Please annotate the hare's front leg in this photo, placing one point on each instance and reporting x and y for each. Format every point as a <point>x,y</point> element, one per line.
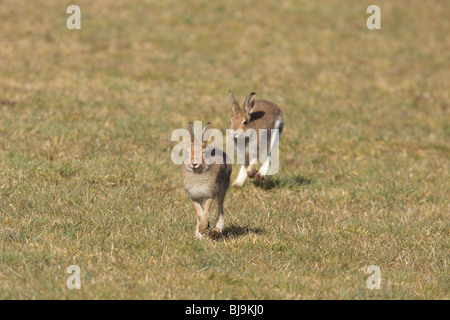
<point>242,176</point>
<point>264,170</point>
<point>203,223</point>
<point>199,211</point>
<point>262,173</point>
<point>251,171</point>
<point>216,232</point>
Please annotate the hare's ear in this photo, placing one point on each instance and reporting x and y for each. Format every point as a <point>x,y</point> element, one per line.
<point>206,133</point>
<point>190,128</point>
<point>234,103</point>
<point>249,103</point>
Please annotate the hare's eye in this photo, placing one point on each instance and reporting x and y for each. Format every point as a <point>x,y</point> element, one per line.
<point>244,122</point>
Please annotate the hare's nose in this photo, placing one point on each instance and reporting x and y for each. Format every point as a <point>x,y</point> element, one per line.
<point>194,165</point>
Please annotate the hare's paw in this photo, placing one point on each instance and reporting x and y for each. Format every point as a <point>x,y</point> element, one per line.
<point>242,176</point>
<point>198,234</point>
<point>237,184</point>
<point>251,173</point>
<point>260,177</point>
<point>201,229</point>
<point>215,234</point>
<point>203,226</point>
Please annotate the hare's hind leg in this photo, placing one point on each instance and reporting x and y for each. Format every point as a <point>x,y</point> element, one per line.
<point>274,138</point>
<point>216,232</point>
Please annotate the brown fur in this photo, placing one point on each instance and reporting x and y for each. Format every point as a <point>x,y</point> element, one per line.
<point>205,182</point>
<point>255,114</point>
<point>262,116</point>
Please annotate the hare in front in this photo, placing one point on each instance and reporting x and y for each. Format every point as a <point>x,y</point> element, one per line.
<point>205,175</point>
<point>256,115</point>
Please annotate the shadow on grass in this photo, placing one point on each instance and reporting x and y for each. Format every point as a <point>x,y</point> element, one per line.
<point>283,182</point>
<point>238,231</point>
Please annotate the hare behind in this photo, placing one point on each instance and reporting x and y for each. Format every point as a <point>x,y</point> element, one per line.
<point>205,175</point>
<point>256,115</point>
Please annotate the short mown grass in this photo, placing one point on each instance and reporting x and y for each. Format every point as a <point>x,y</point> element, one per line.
<point>86,178</point>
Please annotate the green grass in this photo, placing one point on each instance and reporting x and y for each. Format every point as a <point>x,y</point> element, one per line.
<point>85,171</point>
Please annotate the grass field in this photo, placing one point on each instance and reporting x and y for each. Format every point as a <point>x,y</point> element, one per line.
<point>85,172</point>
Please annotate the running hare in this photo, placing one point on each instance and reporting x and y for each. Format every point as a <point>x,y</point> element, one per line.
<point>256,115</point>
<point>205,175</point>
